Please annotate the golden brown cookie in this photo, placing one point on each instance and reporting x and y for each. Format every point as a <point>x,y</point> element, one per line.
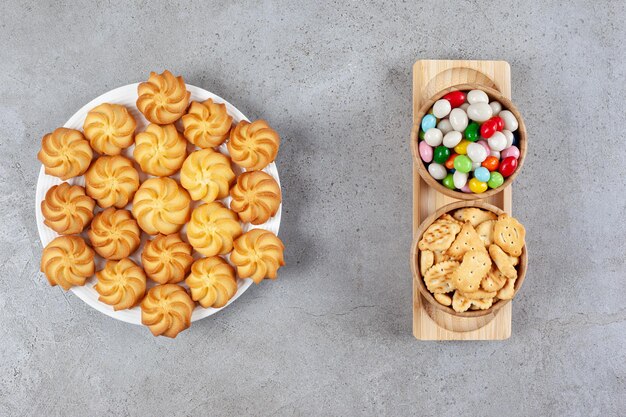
<point>439,235</point>
<point>502,261</point>
<point>212,282</point>
<point>443,299</point>
<point>67,261</point>
<point>67,209</point>
<point>163,99</point>
<point>427,259</point>
<point>166,310</point>
<point>468,276</point>
<point>466,240</point>
<point>258,254</point>
<point>473,215</point>
<point>109,128</point>
<point>213,228</point>
<point>112,181</point>
<point>256,197</point>
<point>114,234</point>
<point>167,258</point>
<point>161,205</point>
<point>253,145</point>
<point>207,175</point>
<point>207,123</point>
<point>485,232</point>
<point>508,291</point>
<point>460,303</point>
<point>121,284</point>
<point>478,294</point>
<point>160,150</point>
<point>65,153</point>
<point>509,234</point>
<point>494,280</point>
<point>438,278</point>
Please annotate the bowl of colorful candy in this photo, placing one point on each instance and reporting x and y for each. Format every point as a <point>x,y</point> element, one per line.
<point>469,142</point>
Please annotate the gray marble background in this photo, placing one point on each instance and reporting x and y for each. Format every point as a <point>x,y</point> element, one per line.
<point>332,336</point>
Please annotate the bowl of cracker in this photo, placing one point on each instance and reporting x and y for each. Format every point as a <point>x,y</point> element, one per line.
<point>469,258</point>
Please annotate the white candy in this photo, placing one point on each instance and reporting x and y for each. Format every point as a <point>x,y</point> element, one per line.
<point>510,122</point>
<point>451,139</point>
<point>477,96</point>
<point>479,112</point>
<point>476,152</point>
<point>497,141</point>
<point>460,179</point>
<point>458,119</point>
<point>464,106</point>
<point>437,171</point>
<point>496,107</point>
<point>509,137</point>
<point>433,137</point>
<point>445,126</point>
<point>495,153</point>
<point>441,108</point>
<point>475,165</point>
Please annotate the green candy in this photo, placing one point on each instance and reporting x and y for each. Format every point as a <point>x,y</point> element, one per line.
<point>471,132</point>
<point>495,179</point>
<point>448,181</point>
<point>421,134</point>
<point>462,163</point>
<point>442,154</point>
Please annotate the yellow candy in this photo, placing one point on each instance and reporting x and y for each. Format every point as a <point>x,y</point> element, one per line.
<point>461,148</point>
<point>477,186</point>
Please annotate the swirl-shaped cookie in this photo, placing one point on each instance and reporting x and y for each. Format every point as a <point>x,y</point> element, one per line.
<point>160,150</point>
<point>164,98</point>
<point>67,261</point>
<point>167,259</point>
<point>212,282</point>
<point>258,254</point>
<point>256,197</point>
<point>114,234</point>
<point>67,209</point>
<point>166,310</point>
<point>213,228</point>
<point>207,123</point>
<point>253,145</point>
<point>207,175</point>
<point>112,181</point>
<point>65,153</point>
<point>161,206</point>
<point>121,284</point>
<point>109,128</point>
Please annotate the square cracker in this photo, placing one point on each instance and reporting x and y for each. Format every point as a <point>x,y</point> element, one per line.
<point>439,235</point>
<point>466,240</point>
<point>473,215</point>
<point>438,278</point>
<point>494,280</point>
<point>473,269</point>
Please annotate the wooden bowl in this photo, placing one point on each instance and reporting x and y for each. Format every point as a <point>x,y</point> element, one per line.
<point>521,267</point>
<point>421,167</point>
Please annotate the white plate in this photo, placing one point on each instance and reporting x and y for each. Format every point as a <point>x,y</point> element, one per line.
<point>127,96</point>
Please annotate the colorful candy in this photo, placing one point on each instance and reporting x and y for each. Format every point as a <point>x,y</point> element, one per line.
<point>456,98</point>
<point>462,163</point>
<point>441,108</point>
<point>441,154</point>
<point>508,166</point>
<point>469,143</point>
<point>477,186</point>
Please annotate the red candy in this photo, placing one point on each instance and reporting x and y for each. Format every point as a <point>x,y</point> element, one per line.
<point>450,162</point>
<point>491,163</point>
<point>499,123</point>
<point>508,166</point>
<point>456,98</point>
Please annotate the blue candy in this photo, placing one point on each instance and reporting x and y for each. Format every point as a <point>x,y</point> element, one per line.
<point>428,122</point>
<point>482,174</point>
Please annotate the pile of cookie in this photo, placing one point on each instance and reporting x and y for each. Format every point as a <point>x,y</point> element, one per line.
<point>468,259</point>
<point>108,216</point>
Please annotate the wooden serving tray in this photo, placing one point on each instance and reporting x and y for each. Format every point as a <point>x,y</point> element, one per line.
<point>430,77</point>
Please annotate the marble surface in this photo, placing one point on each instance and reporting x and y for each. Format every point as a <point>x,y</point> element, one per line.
<point>332,336</point>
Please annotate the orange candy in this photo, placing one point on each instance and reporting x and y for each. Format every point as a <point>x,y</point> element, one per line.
<point>491,163</point>
<point>450,162</point>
